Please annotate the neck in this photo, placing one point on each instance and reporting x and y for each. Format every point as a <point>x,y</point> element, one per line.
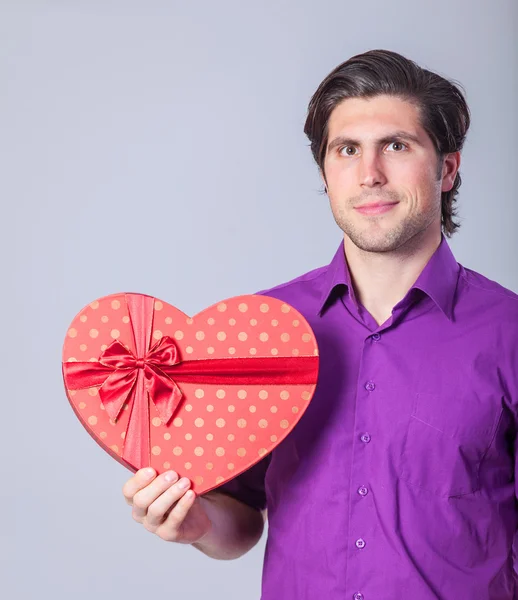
<point>382,279</point>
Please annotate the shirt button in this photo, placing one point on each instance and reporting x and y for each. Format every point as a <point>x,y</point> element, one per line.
<point>358,596</point>
<point>376,337</point>
<point>369,386</point>
<point>360,543</point>
<point>365,438</point>
<point>363,491</point>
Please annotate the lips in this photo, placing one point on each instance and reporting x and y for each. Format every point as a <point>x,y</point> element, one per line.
<point>376,204</point>
<point>376,208</point>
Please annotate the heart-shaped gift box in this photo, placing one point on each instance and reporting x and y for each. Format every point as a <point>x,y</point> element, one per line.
<point>207,396</point>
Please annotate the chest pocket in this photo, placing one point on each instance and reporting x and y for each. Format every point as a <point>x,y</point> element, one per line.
<point>446,442</point>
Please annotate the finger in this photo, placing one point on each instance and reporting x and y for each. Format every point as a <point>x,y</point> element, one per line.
<point>162,506</point>
<point>141,478</point>
<point>148,494</point>
<point>169,528</point>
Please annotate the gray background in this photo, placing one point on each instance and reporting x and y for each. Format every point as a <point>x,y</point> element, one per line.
<point>157,147</point>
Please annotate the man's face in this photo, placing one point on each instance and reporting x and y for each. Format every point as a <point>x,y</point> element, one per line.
<point>378,152</point>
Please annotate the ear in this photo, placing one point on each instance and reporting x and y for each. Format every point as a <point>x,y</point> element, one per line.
<point>450,167</point>
<point>323,177</point>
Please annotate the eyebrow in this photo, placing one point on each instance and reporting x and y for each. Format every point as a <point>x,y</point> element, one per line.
<point>397,135</point>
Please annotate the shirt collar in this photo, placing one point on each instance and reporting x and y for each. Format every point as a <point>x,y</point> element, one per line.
<point>438,279</point>
<point>337,274</point>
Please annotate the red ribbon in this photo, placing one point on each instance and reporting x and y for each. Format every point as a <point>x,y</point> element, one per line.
<point>126,378</point>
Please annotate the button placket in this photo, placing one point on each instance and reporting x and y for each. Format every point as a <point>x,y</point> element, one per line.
<point>363,507</point>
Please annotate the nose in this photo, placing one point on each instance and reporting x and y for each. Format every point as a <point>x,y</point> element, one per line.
<point>371,170</point>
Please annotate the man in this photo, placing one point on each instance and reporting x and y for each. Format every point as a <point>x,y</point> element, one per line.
<point>398,482</point>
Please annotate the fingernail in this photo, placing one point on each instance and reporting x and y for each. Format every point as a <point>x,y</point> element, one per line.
<point>184,483</point>
<point>149,472</point>
<point>170,476</point>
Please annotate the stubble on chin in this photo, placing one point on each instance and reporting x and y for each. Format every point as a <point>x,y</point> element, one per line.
<point>370,238</point>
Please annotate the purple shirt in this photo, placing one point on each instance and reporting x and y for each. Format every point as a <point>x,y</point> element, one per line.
<point>399,479</point>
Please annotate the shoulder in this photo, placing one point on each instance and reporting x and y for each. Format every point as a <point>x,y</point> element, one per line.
<point>309,279</point>
<point>488,289</point>
<point>494,301</point>
<point>302,292</point>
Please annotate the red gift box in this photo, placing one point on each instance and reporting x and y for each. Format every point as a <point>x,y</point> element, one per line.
<point>207,396</point>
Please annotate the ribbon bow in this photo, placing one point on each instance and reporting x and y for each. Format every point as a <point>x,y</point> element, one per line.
<point>163,391</point>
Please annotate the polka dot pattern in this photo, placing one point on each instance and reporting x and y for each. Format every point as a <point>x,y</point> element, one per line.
<point>219,430</point>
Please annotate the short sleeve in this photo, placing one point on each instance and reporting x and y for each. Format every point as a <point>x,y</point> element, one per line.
<point>249,487</point>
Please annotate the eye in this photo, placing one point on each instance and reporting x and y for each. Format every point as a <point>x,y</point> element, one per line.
<point>347,148</point>
<point>397,144</point>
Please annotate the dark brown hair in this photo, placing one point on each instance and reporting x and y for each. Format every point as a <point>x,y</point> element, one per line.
<point>445,115</point>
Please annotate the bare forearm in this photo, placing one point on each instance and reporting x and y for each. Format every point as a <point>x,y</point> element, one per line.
<point>236,527</point>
